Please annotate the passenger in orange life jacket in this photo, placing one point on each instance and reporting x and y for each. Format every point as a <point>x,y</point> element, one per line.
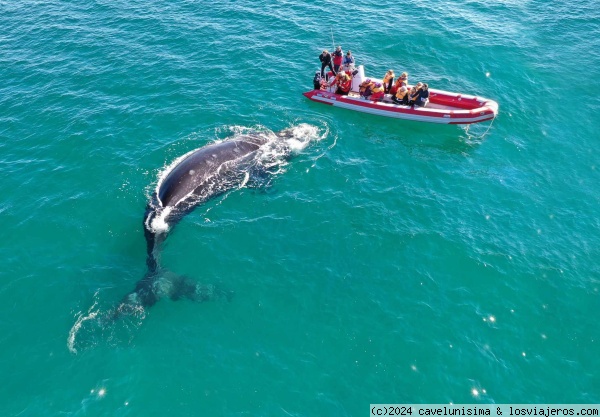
<point>388,80</point>
<point>365,88</point>
<point>402,80</point>
<point>377,92</point>
<point>413,95</point>
<point>401,96</point>
<point>343,82</point>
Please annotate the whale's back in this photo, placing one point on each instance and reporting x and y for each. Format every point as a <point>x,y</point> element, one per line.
<point>202,166</point>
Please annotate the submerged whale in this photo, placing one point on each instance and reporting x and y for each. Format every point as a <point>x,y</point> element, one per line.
<point>193,179</point>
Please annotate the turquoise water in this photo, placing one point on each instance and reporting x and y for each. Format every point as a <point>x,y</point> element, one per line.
<point>391,261</point>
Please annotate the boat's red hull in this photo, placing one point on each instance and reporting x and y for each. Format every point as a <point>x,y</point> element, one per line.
<point>444,107</point>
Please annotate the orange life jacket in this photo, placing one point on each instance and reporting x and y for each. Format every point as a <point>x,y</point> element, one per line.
<point>345,83</point>
<point>401,93</point>
<point>365,88</point>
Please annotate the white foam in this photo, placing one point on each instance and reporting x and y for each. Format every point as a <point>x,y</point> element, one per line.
<point>91,314</point>
<point>246,178</point>
<point>159,222</point>
<point>290,141</point>
<point>302,135</point>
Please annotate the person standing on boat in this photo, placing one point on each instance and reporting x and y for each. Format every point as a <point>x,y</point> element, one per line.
<point>423,97</point>
<point>388,80</point>
<point>338,57</point>
<point>325,59</point>
<point>348,62</point>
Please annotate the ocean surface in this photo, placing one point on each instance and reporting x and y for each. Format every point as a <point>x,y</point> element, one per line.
<point>387,262</point>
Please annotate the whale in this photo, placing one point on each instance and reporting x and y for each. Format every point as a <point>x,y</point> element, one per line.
<point>193,179</point>
<point>250,158</point>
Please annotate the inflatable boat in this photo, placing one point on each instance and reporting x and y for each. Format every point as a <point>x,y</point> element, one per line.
<point>443,107</point>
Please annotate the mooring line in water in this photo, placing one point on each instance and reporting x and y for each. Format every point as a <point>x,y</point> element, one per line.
<point>484,133</point>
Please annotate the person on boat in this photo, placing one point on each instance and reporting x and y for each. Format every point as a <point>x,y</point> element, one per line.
<point>365,89</point>
<point>413,94</point>
<point>402,80</point>
<point>348,62</point>
<point>338,57</point>
<point>388,81</point>
<point>423,97</point>
<point>395,87</point>
<point>325,59</point>
<point>401,96</point>
<point>377,92</point>
<point>343,82</point>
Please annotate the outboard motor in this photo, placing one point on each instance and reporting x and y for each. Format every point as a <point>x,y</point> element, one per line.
<point>317,81</point>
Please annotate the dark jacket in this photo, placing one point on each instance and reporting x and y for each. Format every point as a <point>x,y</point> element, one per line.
<point>423,96</point>
<point>325,58</point>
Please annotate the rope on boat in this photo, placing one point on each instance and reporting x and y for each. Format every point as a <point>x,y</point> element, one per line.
<point>486,131</point>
